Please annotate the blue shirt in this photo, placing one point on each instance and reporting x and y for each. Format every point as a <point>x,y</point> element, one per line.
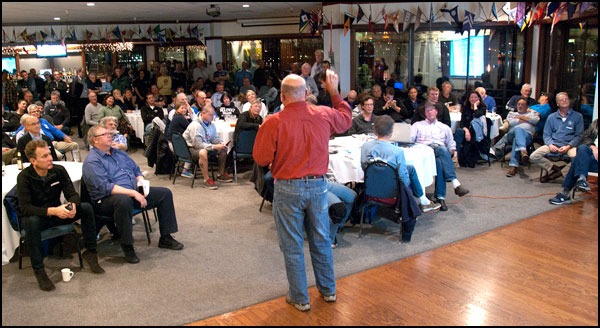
<point>101,172</point>
<point>544,111</point>
<point>375,150</point>
<point>48,130</point>
<point>561,133</point>
<point>239,77</point>
<point>490,102</point>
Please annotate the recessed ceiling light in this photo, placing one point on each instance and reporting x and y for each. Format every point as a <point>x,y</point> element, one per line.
<point>56,18</point>
<point>91,4</point>
<point>246,6</point>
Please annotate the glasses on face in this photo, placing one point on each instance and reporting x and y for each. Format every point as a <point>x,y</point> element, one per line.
<point>36,111</point>
<point>106,134</point>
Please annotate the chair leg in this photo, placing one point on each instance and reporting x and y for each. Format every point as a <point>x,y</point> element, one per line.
<point>176,172</point>
<point>263,201</point>
<point>194,175</point>
<point>362,216</point>
<point>155,216</point>
<point>21,244</point>
<point>146,224</point>
<point>78,250</point>
<point>235,169</point>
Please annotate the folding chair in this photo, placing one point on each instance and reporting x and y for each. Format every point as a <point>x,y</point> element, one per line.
<point>243,148</point>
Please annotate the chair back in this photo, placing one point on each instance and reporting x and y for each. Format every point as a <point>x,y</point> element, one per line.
<point>11,204</point>
<point>245,142</point>
<point>180,147</point>
<point>382,180</point>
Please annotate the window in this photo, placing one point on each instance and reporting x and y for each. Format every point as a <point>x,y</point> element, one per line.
<point>171,54</point>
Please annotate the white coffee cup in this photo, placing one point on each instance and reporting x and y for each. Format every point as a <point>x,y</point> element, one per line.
<point>67,274</point>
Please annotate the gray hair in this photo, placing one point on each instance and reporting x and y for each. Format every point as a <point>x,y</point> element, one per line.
<point>31,108</point>
<point>526,85</point>
<point>106,119</point>
<point>24,119</point>
<point>207,108</point>
<point>55,93</point>
<point>557,95</point>
<point>383,125</point>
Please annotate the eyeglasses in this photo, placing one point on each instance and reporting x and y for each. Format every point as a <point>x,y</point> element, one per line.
<point>103,135</point>
<point>35,111</point>
<point>34,123</point>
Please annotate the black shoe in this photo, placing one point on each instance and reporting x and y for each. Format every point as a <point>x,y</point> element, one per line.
<point>442,202</point>
<point>169,242</point>
<point>92,260</point>
<point>43,280</point>
<point>582,185</point>
<point>461,191</point>
<point>129,252</point>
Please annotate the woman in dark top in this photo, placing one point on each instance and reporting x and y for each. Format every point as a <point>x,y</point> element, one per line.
<point>179,122</point>
<point>128,101</point>
<point>412,102</point>
<point>467,147</point>
<point>249,120</point>
<point>227,107</point>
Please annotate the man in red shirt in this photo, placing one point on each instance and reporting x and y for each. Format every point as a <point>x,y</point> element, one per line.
<point>296,143</point>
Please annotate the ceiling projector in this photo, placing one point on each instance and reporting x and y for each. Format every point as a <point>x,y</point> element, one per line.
<point>213,11</point>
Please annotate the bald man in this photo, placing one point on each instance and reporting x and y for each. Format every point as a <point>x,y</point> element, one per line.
<point>295,141</point>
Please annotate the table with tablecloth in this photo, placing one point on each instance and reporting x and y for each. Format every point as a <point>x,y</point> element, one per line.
<point>10,238</point>
<point>345,167</point>
<point>135,118</point>
<point>225,131</point>
<point>494,129</point>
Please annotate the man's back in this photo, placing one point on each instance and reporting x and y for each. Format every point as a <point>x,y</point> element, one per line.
<point>380,150</point>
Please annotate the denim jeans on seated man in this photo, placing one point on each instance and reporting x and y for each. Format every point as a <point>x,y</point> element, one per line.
<point>520,139</point>
<point>338,193</point>
<point>299,203</point>
<point>583,163</point>
<point>34,225</point>
<point>445,170</point>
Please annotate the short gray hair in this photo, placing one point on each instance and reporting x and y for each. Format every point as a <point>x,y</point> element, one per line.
<point>24,119</point>
<point>526,85</point>
<point>106,119</point>
<point>557,95</point>
<point>383,125</point>
<point>31,108</point>
<point>55,93</point>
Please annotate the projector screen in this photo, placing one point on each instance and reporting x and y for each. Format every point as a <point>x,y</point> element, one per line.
<point>9,64</point>
<point>458,55</point>
<point>51,50</point>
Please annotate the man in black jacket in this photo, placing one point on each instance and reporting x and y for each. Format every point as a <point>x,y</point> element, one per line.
<point>57,113</point>
<point>32,127</point>
<point>39,187</point>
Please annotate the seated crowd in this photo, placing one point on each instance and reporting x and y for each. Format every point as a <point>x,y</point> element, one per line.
<point>193,101</point>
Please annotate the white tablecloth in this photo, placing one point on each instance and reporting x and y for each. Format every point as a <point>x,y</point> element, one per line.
<point>10,238</point>
<point>494,130</point>
<point>345,165</point>
<point>136,121</point>
<point>225,131</point>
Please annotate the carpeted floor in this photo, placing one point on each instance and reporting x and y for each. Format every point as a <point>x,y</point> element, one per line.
<point>232,259</point>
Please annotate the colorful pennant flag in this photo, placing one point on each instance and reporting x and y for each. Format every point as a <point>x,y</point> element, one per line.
<point>149,32</point>
<point>304,20</point>
<point>348,20</point>
<point>559,12</point>
<point>468,23</point>
<point>385,19</point>
<point>117,32</point>
<point>169,33</point>
<point>189,31</point>
<point>453,13</point>
<point>494,13</point>
<point>395,21</point>
<point>73,34</point>
<point>52,34</point>
<point>571,7</point>
<point>407,17</point>
<point>552,8</point>
<point>431,14</point>
<point>157,29</point>
<point>24,36</point>
<point>418,19</point>
<point>360,15</point>
<point>314,22</point>
<point>370,23</point>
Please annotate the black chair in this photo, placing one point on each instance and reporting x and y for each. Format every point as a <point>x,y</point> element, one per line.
<point>243,147</point>
<point>102,220</point>
<point>555,157</point>
<point>183,155</point>
<point>381,183</point>
<point>11,204</point>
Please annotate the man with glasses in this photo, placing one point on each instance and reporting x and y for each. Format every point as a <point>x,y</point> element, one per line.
<point>60,141</point>
<point>111,178</point>
<point>33,132</point>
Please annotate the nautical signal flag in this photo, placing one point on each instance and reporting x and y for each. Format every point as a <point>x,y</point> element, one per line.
<point>348,20</point>
<point>468,23</point>
<point>304,20</point>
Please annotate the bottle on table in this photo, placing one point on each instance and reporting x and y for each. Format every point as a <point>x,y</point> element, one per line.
<point>19,162</point>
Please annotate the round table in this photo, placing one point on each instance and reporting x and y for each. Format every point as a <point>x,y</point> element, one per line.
<point>494,129</point>
<point>136,121</point>
<point>10,238</point>
<point>225,131</point>
<point>345,167</point>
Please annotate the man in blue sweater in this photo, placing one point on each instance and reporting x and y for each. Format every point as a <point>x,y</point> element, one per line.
<point>562,135</point>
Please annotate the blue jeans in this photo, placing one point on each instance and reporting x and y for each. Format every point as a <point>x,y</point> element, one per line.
<point>338,193</point>
<point>415,184</point>
<point>459,138</point>
<point>520,139</point>
<point>583,163</point>
<point>444,168</point>
<point>303,203</point>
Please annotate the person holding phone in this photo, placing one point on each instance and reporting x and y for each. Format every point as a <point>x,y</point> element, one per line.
<point>39,187</point>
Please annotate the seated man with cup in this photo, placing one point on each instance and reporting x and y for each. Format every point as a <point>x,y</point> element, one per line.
<point>112,178</point>
<point>39,187</point>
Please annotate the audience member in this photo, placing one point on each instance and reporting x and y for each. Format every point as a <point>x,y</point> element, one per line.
<point>179,122</point>
<point>93,84</point>
<point>110,109</point>
<point>438,136</point>
<point>317,65</point>
<point>379,68</point>
<point>200,101</point>
<point>351,99</point>
<point>311,85</point>
<point>9,147</point>
<point>107,84</point>
<point>433,94</point>
<point>57,113</point>
<point>544,109</point>
<point>14,118</point>
<point>382,149</point>
<point>250,120</point>
<point>221,75</point>
<point>511,105</point>
<point>159,99</point>
<point>489,102</point>
<point>204,143</point>
<point>241,74</point>
<point>363,123</point>
<point>181,99</point>
<point>120,81</point>
<point>250,97</point>
<point>299,179</point>
<point>268,92</point>
<point>39,189</point>
<point>522,127</point>
<point>562,134</point>
<point>227,107</point>
<point>57,84</point>
<point>585,161</point>
<point>472,135</point>
<point>141,86</point>
<point>378,99</point>
<point>92,111</point>
<point>412,102</point>
<point>164,84</point>
<point>119,140</point>
<point>178,77</point>
<point>112,180</point>
<point>216,97</point>
<point>150,111</point>
<point>448,98</point>
<point>394,107</point>
<point>200,71</point>
<point>32,129</point>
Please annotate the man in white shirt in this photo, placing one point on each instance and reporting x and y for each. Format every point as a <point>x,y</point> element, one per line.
<point>316,67</point>
<point>216,97</point>
<point>438,136</point>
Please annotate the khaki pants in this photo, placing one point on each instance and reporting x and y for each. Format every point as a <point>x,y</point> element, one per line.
<point>62,147</point>
<point>7,156</point>
<point>538,157</point>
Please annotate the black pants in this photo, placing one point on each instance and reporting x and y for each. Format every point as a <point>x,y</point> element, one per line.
<point>34,225</point>
<point>121,207</point>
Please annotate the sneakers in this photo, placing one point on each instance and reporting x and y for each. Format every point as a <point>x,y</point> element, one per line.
<point>442,203</point>
<point>187,174</point>
<point>582,185</point>
<point>209,184</point>
<point>461,191</point>
<point>512,171</point>
<point>329,298</point>
<point>169,242</point>
<point>430,207</point>
<point>298,306</point>
<point>130,255</point>
<point>524,157</point>
<point>43,280</point>
<point>92,260</point>
<point>224,178</point>
<point>560,199</point>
